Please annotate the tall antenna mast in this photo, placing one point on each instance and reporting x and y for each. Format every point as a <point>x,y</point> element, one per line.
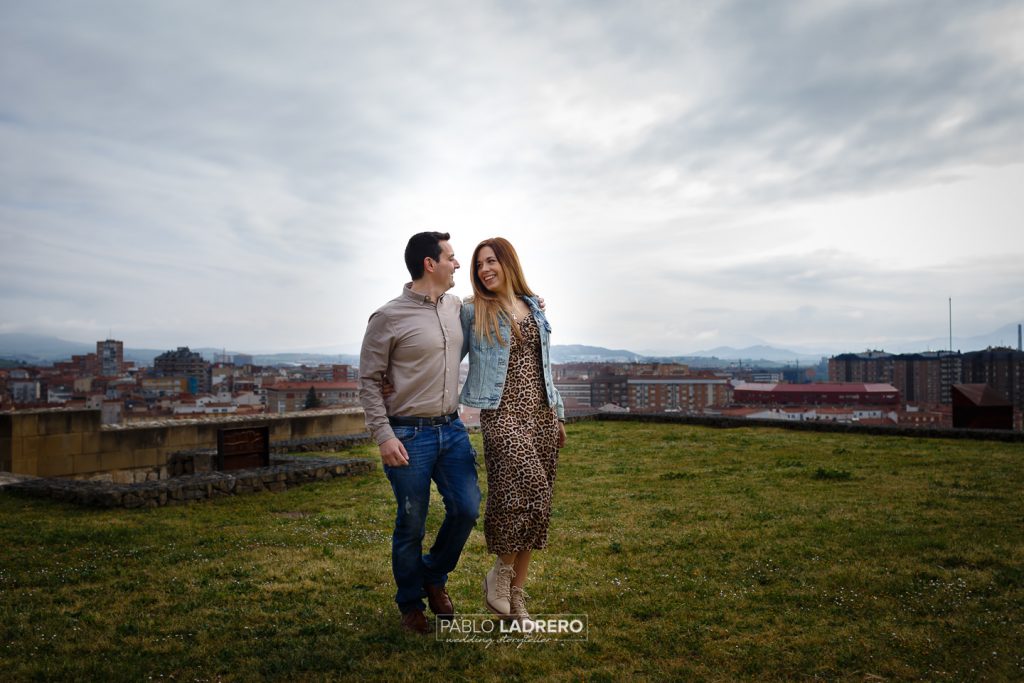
<point>951,324</point>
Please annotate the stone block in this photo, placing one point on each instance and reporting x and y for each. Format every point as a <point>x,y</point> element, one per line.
<point>207,438</point>
<point>48,444</point>
<point>86,463</point>
<point>85,421</point>
<point>137,438</point>
<point>60,444</point>
<point>30,446</point>
<point>24,425</point>
<point>5,454</point>
<point>351,423</point>
<point>21,464</point>
<point>53,423</point>
<point>116,460</point>
<point>110,441</point>
<point>281,430</point>
<point>91,443</point>
<point>123,477</point>
<point>149,457</point>
<point>184,437</point>
<point>112,499</point>
<point>59,465</point>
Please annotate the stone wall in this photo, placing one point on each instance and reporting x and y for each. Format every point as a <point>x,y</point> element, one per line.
<point>284,473</point>
<point>183,463</point>
<point>810,426</point>
<point>73,443</point>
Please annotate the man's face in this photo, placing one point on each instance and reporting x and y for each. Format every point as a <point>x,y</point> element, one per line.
<point>444,270</point>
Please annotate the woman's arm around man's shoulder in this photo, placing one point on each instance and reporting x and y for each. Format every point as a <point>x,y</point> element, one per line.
<point>466,316</point>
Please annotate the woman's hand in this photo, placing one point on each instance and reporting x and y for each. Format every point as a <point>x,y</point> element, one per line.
<point>561,434</point>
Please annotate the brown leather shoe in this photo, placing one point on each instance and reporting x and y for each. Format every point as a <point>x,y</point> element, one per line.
<point>439,600</point>
<point>416,622</point>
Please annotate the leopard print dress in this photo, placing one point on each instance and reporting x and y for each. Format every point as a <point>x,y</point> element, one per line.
<point>520,451</point>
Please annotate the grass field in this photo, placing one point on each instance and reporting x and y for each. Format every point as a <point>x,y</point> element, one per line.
<point>698,554</point>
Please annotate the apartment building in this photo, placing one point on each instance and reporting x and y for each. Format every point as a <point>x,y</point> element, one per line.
<point>1000,368</point>
<point>872,367</point>
<point>685,394</point>
<point>286,397</point>
<point>184,363</point>
<point>110,357</point>
<point>849,393</point>
<point>927,378</point>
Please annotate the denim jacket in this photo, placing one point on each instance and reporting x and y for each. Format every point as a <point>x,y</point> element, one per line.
<point>488,361</point>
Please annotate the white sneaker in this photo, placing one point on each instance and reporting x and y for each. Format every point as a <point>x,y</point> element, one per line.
<point>497,587</point>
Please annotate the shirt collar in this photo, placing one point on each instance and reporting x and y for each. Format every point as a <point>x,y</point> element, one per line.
<point>418,298</point>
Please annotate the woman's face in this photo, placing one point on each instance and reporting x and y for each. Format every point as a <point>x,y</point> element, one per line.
<point>489,270</point>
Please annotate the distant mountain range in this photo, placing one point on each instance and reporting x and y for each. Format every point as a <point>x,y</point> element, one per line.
<point>579,353</point>
<point>1004,336</point>
<point>759,352</point>
<point>40,349</point>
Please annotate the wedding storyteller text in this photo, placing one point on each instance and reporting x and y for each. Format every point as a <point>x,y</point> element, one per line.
<point>543,628</point>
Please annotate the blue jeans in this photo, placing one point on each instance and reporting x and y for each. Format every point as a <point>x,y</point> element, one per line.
<point>445,455</point>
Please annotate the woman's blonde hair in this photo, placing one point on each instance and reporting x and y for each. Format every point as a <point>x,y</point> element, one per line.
<point>488,307</point>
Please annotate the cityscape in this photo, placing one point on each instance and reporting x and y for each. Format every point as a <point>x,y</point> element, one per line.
<point>779,250</point>
<point>873,388</point>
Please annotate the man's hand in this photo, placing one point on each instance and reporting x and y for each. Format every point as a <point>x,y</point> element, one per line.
<point>540,303</point>
<point>393,453</point>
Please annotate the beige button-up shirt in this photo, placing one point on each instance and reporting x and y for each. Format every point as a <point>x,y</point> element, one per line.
<point>416,345</point>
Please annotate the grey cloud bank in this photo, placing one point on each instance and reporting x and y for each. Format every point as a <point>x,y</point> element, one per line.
<point>675,175</point>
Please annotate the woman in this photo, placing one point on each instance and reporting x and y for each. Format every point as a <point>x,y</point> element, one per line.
<point>522,417</point>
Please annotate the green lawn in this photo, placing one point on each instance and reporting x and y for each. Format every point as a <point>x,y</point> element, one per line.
<point>698,554</point>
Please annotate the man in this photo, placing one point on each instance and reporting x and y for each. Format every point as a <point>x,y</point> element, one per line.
<point>414,343</point>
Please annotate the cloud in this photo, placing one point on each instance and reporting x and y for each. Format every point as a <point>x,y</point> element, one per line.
<point>209,174</point>
<point>863,96</point>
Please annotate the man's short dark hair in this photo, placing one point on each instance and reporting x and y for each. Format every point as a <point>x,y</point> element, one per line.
<point>423,245</point>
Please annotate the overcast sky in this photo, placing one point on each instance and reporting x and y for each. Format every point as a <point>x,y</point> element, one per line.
<point>675,175</point>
